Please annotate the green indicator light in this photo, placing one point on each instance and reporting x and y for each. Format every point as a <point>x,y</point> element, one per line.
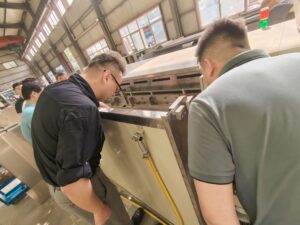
<point>263,23</point>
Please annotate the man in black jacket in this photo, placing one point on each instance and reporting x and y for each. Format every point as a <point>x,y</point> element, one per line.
<point>67,138</point>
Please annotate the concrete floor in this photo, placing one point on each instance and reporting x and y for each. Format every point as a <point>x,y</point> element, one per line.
<point>29,212</point>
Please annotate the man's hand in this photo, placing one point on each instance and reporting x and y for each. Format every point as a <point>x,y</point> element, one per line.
<point>102,215</point>
<point>103,105</point>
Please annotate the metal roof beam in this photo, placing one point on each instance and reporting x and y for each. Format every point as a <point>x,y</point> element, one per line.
<point>47,63</point>
<point>11,25</point>
<point>176,18</point>
<point>35,21</point>
<point>22,6</point>
<point>103,24</point>
<point>70,35</point>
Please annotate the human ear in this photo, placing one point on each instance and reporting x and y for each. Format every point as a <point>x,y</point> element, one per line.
<point>207,67</point>
<point>105,76</point>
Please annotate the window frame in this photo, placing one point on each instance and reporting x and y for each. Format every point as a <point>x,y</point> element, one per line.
<point>46,28</point>
<point>140,29</point>
<point>56,3</point>
<point>41,36</point>
<point>7,65</point>
<point>52,19</point>
<point>28,57</point>
<point>93,45</point>
<point>198,13</point>
<point>37,42</point>
<point>69,61</point>
<point>51,77</point>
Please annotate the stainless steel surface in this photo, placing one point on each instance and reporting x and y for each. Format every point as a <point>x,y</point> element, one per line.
<point>122,161</point>
<point>16,154</point>
<point>29,212</point>
<point>156,83</point>
<point>16,141</point>
<point>16,164</point>
<point>8,117</point>
<point>134,116</point>
<point>175,62</point>
<point>159,91</point>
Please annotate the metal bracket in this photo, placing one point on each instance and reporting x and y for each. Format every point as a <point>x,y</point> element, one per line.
<point>139,139</point>
<point>188,101</point>
<point>178,108</point>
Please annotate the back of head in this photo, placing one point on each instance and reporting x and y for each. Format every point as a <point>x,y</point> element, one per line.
<point>60,76</point>
<point>222,39</point>
<point>15,85</point>
<point>28,88</point>
<point>29,79</point>
<point>108,58</point>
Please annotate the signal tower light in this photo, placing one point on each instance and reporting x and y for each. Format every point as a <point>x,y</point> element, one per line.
<point>264,18</point>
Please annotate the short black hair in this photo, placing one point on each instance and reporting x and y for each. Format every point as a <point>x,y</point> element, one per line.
<point>28,88</point>
<point>16,85</point>
<point>233,31</point>
<point>110,57</point>
<point>29,79</point>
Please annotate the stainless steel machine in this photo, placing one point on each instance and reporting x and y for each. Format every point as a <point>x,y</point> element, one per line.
<point>145,152</point>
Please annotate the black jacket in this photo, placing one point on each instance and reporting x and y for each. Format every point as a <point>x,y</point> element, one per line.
<point>67,135</point>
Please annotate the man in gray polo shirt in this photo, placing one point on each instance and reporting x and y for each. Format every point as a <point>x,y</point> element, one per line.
<point>244,130</point>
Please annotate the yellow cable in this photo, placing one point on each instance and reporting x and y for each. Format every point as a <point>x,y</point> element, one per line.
<point>146,211</point>
<point>164,189</point>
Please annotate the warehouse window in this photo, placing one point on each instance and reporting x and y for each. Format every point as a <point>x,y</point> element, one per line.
<point>60,68</point>
<point>34,49</point>
<point>98,47</point>
<point>43,80</point>
<point>10,64</point>
<point>253,4</point>
<point>46,29</point>
<point>37,42</point>
<point>51,77</point>
<point>53,19</point>
<point>60,7</point>
<point>32,52</point>
<point>71,59</point>
<point>70,2</point>
<point>42,37</point>
<point>28,57</point>
<point>211,10</point>
<point>144,32</point>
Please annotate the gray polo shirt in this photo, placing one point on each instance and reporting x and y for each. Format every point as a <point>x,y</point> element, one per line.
<point>245,127</point>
